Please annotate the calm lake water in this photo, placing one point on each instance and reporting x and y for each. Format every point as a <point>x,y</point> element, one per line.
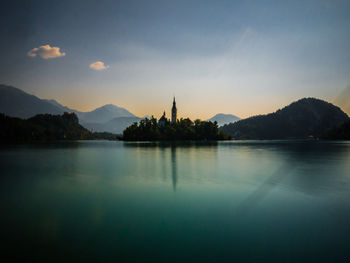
<point>155,202</point>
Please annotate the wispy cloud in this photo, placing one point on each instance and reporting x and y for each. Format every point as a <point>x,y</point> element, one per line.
<point>98,65</point>
<point>46,52</point>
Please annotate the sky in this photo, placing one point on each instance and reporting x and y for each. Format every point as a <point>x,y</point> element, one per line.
<point>239,57</point>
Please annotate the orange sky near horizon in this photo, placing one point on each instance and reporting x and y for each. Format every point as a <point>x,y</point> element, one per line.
<point>192,108</point>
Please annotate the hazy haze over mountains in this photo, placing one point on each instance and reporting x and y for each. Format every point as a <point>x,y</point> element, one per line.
<point>16,103</point>
<point>116,125</point>
<point>104,114</point>
<point>58,105</point>
<point>223,119</point>
<point>110,118</point>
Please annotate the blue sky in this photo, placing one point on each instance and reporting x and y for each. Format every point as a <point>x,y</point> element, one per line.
<point>239,57</point>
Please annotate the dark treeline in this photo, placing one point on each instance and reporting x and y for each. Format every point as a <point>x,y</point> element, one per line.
<point>105,136</point>
<point>341,132</point>
<point>45,127</point>
<point>183,129</point>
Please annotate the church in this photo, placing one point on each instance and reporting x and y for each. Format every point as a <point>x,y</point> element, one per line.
<point>162,121</point>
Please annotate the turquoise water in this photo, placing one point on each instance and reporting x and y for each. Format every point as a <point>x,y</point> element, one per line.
<point>156,202</point>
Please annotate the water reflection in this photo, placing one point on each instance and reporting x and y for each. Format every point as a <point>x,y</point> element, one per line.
<point>166,156</point>
<point>306,166</point>
<point>167,144</point>
<point>264,189</point>
<point>173,167</point>
<point>123,195</point>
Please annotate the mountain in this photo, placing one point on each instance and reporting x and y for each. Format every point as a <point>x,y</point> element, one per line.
<point>308,117</point>
<point>116,125</point>
<point>222,119</point>
<point>42,127</point>
<point>104,114</point>
<point>97,116</point>
<point>16,103</point>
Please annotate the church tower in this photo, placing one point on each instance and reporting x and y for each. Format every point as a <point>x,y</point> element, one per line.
<point>173,112</point>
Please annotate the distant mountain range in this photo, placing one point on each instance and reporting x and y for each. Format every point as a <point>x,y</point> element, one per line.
<point>104,114</point>
<point>16,103</point>
<point>223,119</point>
<point>108,118</point>
<point>115,125</point>
<point>305,118</point>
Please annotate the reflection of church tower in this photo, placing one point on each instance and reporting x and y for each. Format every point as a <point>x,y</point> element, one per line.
<point>173,112</point>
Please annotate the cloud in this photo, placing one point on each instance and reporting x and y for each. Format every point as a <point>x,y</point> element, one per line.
<point>46,52</point>
<point>98,65</point>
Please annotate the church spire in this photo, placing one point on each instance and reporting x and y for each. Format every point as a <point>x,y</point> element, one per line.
<point>174,112</point>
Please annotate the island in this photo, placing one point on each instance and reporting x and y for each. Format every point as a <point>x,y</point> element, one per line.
<point>181,130</point>
<point>184,129</point>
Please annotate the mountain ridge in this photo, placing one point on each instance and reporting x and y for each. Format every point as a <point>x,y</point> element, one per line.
<point>15,102</point>
<point>104,114</point>
<point>307,117</point>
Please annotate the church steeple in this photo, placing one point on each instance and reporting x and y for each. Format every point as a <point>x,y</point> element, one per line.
<point>174,112</point>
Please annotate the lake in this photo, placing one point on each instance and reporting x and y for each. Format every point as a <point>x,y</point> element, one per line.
<point>234,201</point>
